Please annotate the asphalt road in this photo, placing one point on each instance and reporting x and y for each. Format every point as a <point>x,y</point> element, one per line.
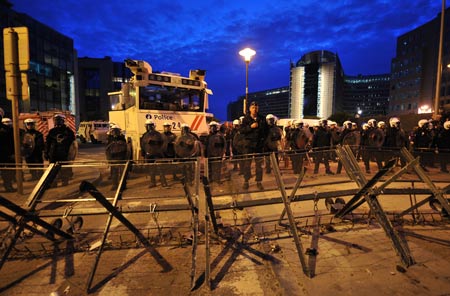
<point>251,254</point>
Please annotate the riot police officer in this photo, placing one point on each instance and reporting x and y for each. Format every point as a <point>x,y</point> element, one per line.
<point>169,144</point>
<point>152,149</point>
<point>322,143</point>
<point>58,146</point>
<point>187,146</point>
<point>215,150</point>
<point>33,146</point>
<point>443,145</point>
<point>273,140</point>
<point>6,153</point>
<point>116,151</point>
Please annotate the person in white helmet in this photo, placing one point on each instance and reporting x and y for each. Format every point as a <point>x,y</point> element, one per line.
<point>234,139</point>
<point>215,150</point>
<point>273,141</point>
<point>6,154</point>
<point>443,146</point>
<point>396,138</point>
<point>152,149</point>
<point>422,142</point>
<point>57,146</point>
<point>117,151</point>
<point>33,146</point>
<point>169,144</point>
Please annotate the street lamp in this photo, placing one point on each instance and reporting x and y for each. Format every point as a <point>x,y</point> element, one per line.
<point>247,53</point>
<point>439,67</point>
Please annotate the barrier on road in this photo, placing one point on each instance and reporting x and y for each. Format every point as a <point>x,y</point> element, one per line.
<point>212,192</point>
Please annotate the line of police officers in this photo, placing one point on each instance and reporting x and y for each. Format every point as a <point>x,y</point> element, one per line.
<point>253,137</point>
<point>59,145</point>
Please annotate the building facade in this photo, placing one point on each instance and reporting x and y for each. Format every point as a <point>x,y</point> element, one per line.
<point>52,68</point>
<point>97,77</point>
<point>366,95</point>
<point>316,85</point>
<point>414,69</point>
<point>272,101</point>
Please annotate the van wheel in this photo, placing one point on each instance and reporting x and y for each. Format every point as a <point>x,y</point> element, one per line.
<point>93,140</point>
<point>82,139</point>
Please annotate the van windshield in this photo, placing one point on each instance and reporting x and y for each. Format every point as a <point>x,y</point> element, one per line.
<point>157,97</point>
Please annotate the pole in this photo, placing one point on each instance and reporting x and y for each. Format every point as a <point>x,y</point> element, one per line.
<point>15,79</point>
<point>246,87</point>
<point>439,66</point>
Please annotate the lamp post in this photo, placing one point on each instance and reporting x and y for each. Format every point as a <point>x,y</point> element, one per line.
<point>439,67</point>
<point>247,53</point>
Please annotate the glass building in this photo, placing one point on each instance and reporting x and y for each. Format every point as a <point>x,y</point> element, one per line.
<point>366,95</point>
<point>97,77</point>
<point>51,75</point>
<point>272,101</point>
<point>316,85</point>
<point>414,69</point>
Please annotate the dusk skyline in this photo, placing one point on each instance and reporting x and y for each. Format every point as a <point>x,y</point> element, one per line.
<point>183,35</point>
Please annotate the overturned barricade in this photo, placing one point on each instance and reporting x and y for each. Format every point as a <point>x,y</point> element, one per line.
<point>218,213</point>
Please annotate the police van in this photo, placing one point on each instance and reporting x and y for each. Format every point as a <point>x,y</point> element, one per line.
<point>93,131</point>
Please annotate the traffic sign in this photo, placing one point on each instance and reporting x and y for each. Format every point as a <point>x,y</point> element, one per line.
<point>16,38</point>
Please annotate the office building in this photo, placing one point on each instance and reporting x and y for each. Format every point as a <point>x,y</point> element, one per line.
<point>97,77</point>
<point>52,70</point>
<point>272,101</point>
<point>366,95</point>
<point>414,69</point>
<point>316,85</point>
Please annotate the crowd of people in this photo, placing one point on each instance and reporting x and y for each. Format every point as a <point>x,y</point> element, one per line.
<point>247,144</point>
<point>58,146</point>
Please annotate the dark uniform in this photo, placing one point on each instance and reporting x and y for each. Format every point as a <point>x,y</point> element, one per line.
<point>117,152</point>
<point>395,139</point>
<point>321,143</point>
<point>33,146</point>
<point>152,149</point>
<point>187,145</point>
<point>443,146</point>
<point>57,146</point>
<point>273,140</point>
<point>254,129</point>
<point>169,145</point>
<point>215,149</point>
<point>423,139</point>
<point>6,154</point>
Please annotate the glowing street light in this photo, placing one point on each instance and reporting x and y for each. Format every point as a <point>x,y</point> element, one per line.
<point>247,53</point>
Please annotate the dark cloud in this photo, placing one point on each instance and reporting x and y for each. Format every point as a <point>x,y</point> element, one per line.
<point>180,35</point>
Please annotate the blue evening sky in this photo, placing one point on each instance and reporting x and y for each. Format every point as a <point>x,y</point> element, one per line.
<point>180,35</point>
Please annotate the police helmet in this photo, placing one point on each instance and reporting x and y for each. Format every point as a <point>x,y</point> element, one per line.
<point>447,125</point>
<point>59,119</point>
<point>422,122</point>
<point>166,124</point>
<point>372,122</point>
<point>270,119</point>
<point>394,122</point>
<point>381,124</point>
<point>347,124</point>
<point>365,126</point>
<point>7,121</point>
<point>236,122</point>
<point>29,120</point>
